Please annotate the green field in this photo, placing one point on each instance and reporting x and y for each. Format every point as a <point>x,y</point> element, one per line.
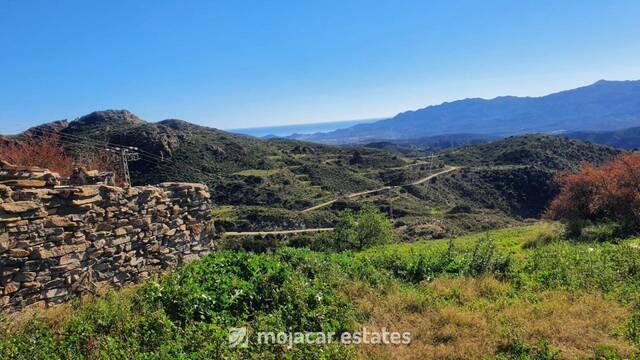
<point>519,293</point>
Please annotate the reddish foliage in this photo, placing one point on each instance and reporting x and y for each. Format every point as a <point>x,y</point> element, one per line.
<point>44,152</point>
<point>610,192</point>
<point>49,153</point>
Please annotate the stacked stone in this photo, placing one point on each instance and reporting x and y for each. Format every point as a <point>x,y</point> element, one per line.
<point>58,242</point>
<point>27,176</point>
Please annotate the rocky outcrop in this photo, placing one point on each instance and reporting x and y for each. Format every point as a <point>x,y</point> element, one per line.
<point>57,242</point>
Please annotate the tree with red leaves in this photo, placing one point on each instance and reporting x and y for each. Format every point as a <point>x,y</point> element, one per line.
<point>609,193</point>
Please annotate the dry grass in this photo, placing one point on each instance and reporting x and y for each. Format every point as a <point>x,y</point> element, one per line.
<point>472,318</point>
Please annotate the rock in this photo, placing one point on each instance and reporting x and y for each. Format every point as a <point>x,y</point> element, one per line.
<point>87,191</point>
<point>59,221</point>
<point>25,276</point>
<point>11,287</point>
<point>19,207</point>
<point>5,191</point>
<point>18,253</point>
<point>53,293</point>
<point>87,200</point>
<point>24,183</point>
<point>59,251</point>
<point>5,242</point>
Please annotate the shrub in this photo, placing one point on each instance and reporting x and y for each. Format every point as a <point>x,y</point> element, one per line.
<point>611,232</point>
<point>45,152</point>
<point>599,195</point>
<point>49,153</point>
<point>357,231</point>
<point>543,235</point>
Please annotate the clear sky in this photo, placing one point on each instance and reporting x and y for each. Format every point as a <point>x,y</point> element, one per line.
<point>236,64</point>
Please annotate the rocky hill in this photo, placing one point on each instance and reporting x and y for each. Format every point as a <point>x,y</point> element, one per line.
<point>264,184</point>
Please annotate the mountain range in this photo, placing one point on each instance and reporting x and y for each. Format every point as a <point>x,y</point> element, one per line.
<point>602,106</point>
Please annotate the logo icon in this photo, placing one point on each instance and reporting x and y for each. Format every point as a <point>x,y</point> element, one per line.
<point>238,338</point>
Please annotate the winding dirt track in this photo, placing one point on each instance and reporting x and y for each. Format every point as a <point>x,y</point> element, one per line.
<point>447,170</point>
<point>276,232</point>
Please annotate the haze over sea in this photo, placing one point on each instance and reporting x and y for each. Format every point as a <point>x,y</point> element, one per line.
<point>286,130</point>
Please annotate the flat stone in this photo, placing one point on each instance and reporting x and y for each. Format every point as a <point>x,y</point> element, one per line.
<point>31,284</point>
<point>59,251</point>
<point>87,191</point>
<point>70,259</point>
<point>121,231</point>
<point>53,293</point>
<point>19,207</point>
<point>27,183</point>
<point>18,253</point>
<point>11,287</point>
<point>87,200</point>
<point>59,221</point>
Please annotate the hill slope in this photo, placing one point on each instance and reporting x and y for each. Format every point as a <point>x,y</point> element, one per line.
<point>263,184</point>
<point>603,105</point>
<point>624,139</point>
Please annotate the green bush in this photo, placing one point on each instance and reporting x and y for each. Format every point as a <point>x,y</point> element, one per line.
<point>187,314</point>
<point>356,231</point>
<point>611,232</point>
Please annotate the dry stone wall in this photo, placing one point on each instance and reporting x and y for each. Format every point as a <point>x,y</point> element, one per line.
<point>59,242</point>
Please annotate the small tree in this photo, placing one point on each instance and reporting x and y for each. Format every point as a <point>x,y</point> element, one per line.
<point>609,193</point>
<point>357,231</point>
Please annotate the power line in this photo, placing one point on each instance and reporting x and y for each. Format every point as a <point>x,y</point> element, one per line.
<point>80,140</point>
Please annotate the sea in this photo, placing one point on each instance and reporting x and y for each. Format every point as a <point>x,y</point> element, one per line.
<point>288,130</point>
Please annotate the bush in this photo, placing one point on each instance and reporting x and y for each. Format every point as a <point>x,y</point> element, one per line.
<point>49,153</point>
<point>357,231</point>
<point>600,195</point>
<point>187,314</point>
<point>543,235</point>
<point>611,232</point>
<point>46,152</point>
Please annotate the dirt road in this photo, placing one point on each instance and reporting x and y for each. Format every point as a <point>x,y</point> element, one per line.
<point>448,169</point>
<point>275,232</point>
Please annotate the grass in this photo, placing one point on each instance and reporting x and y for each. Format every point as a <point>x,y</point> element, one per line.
<point>488,295</point>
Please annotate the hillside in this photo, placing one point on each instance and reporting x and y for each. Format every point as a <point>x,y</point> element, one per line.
<point>604,105</point>
<point>264,184</point>
<point>430,144</point>
<point>628,138</point>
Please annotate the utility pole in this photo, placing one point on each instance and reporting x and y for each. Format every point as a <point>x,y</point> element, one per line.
<point>126,154</point>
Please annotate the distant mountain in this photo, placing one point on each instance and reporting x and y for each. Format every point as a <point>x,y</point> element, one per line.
<point>604,105</point>
<point>624,139</point>
<point>299,131</point>
<point>268,181</point>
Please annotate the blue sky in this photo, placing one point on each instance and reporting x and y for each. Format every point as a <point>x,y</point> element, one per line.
<point>237,64</point>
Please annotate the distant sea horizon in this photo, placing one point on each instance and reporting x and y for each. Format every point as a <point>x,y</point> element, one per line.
<point>288,130</point>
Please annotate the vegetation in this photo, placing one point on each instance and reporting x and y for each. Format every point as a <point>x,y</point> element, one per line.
<point>49,153</point>
<point>480,296</point>
<point>357,231</point>
<point>606,196</point>
<point>499,183</point>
